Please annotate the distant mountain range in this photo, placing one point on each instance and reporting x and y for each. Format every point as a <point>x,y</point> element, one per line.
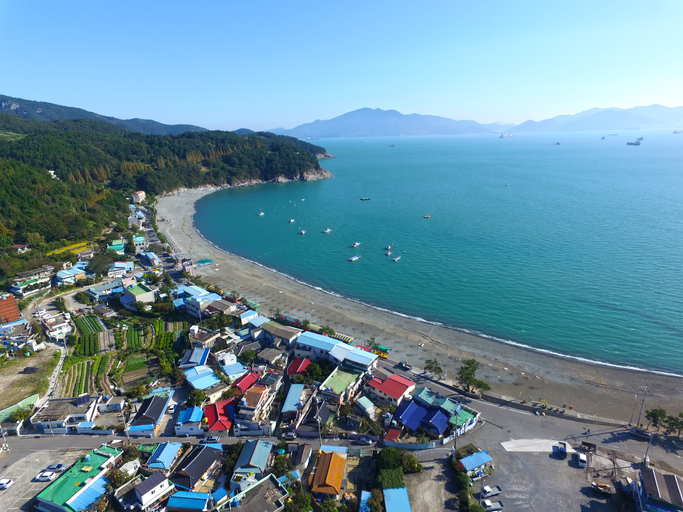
<point>367,122</point>
<point>43,111</point>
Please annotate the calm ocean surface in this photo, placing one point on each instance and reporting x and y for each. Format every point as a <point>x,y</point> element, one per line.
<point>574,249</point>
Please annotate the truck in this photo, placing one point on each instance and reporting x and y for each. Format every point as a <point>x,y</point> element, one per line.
<point>488,491</point>
<point>405,366</point>
<point>492,505</point>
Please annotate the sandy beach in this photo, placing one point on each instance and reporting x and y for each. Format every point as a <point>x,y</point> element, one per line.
<point>513,372</point>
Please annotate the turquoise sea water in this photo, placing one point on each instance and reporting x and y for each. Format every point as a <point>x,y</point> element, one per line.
<point>575,249</point>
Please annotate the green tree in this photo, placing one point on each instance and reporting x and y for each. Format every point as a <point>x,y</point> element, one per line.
<point>232,454</point>
<point>116,479</point>
<point>389,458</point>
<point>130,452</point>
<point>138,390</point>
<point>391,478</point>
<point>376,501</point>
<point>328,505</point>
<point>327,330</point>
<point>467,376</point>
<point>196,398</point>
<point>313,372</point>
<point>433,366</point>
<point>282,465</point>
<point>300,499</point>
<point>22,413</point>
<point>229,393</point>
<point>247,357</point>
<point>410,463</point>
<point>656,417</point>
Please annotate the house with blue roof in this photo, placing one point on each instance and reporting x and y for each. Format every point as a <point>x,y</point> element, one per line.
<point>71,275</point>
<point>317,347</point>
<point>196,356</point>
<point>246,316</point>
<point>293,401</point>
<point>183,501</point>
<point>410,414</point>
<point>477,463</point>
<point>189,422</point>
<point>164,456</point>
<point>435,422</point>
<point>231,367</point>
<point>197,304</point>
<point>201,377</point>
<point>252,462</point>
<point>152,258</point>
<point>396,500</point>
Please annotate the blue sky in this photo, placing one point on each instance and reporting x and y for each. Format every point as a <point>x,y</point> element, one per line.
<point>266,64</point>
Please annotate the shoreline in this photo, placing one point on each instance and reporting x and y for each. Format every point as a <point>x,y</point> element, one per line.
<point>514,370</point>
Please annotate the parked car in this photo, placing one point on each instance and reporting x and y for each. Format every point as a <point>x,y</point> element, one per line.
<point>46,476</point>
<point>171,409</point>
<point>640,433</point>
<point>364,440</point>
<point>5,483</point>
<point>289,435</point>
<point>583,461</point>
<point>57,468</point>
<point>405,366</point>
<point>488,492</point>
<point>209,440</point>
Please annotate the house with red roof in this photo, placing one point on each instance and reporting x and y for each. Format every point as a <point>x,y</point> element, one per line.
<point>298,366</point>
<point>392,390</point>
<point>245,382</point>
<point>218,417</point>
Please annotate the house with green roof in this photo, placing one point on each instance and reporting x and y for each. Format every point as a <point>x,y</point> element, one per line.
<point>82,485</point>
<point>137,293</point>
<point>118,246</point>
<point>341,386</point>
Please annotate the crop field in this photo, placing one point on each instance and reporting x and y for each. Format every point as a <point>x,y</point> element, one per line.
<point>78,379</point>
<point>164,341</point>
<point>88,325</point>
<point>136,363</point>
<point>88,345</point>
<point>134,335</point>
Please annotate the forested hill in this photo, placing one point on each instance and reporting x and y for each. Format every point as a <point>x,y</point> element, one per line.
<point>44,111</point>
<point>96,165</point>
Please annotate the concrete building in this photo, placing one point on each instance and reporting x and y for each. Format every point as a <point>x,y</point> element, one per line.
<point>316,347</point>
<point>341,386</point>
<point>32,286</point>
<point>138,293</point>
<point>64,415</point>
<point>392,390</point>
<point>140,244</point>
<point>189,422</point>
<point>254,458</point>
<point>81,485</point>
<point>139,196</point>
<point>153,490</point>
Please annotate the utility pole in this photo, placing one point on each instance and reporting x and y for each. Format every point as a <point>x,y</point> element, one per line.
<point>646,461</point>
<point>642,406</point>
<point>634,409</point>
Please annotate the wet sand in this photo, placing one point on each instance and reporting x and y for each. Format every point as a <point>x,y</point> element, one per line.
<point>513,372</point>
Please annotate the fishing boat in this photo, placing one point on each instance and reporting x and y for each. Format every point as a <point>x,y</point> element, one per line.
<point>291,221</point>
<point>639,138</point>
<point>676,132</point>
<point>354,258</point>
<point>603,137</point>
<point>261,214</point>
<point>328,230</point>
<point>397,258</point>
<point>364,198</point>
<point>355,244</point>
<point>428,216</point>
<point>388,247</point>
<point>601,488</point>
<point>391,145</point>
<point>612,134</point>
<point>636,143</point>
<point>388,253</point>
<point>506,136</point>
<point>302,232</point>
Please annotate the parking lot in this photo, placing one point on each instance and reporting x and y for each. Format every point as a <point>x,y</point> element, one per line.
<point>24,473</point>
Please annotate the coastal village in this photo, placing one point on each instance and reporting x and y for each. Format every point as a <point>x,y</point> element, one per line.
<point>166,393</point>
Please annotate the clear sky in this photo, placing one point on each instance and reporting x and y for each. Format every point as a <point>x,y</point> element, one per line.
<point>226,64</point>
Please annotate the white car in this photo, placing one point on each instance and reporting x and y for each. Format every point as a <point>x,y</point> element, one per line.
<point>171,409</point>
<point>46,476</point>
<point>583,461</point>
<point>5,483</point>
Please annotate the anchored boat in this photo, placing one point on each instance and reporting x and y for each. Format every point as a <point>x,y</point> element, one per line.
<point>354,258</point>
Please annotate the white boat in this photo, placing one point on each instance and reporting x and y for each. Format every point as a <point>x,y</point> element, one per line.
<point>302,232</point>
<point>354,258</point>
<point>388,247</point>
<point>355,244</point>
<point>261,214</point>
<point>291,221</point>
<point>397,258</point>
<point>328,230</point>
<point>389,253</point>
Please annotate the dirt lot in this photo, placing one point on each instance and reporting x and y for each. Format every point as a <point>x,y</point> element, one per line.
<point>16,385</point>
<point>434,489</point>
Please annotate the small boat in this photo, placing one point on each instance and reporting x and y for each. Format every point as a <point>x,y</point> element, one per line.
<point>302,232</point>
<point>364,198</point>
<point>291,221</point>
<point>612,134</point>
<point>603,137</point>
<point>506,136</point>
<point>636,143</point>
<point>388,253</point>
<point>391,145</point>
<point>303,199</point>
<point>328,230</point>
<point>428,216</point>
<point>601,488</point>
<point>355,244</point>
<point>354,258</point>
<point>397,258</point>
<point>261,214</point>
<point>557,143</point>
<point>639,138</point>
<point>388,247</point>
<point>676,132</point>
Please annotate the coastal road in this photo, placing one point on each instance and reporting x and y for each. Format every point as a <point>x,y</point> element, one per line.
<point>504,423</point>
